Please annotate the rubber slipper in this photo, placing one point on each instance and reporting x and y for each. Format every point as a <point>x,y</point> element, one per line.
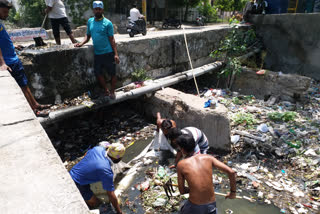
<point>42,107</point>
<point>43,113</point>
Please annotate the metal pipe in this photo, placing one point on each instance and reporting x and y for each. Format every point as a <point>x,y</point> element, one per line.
<point>156,85</point>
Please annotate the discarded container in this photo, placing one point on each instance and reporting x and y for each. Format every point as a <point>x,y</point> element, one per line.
<point>161,172</point>
<point>263,128</point>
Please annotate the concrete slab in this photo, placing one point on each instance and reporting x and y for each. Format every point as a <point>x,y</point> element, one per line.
<point>187,110</point>
<point>33,179</point>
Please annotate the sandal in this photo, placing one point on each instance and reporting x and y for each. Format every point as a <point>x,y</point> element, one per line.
<point>43,113</point>
<point>42,107</point>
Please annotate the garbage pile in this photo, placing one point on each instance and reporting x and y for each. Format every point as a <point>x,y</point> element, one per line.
<point>73,138</point>
<point>275,148</point>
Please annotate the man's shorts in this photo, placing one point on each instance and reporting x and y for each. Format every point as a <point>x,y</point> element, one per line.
<point>190,208</point>
<point>18,74</point>
<point>85,191</point>
<point>104,61</point>
<point>64,22</point>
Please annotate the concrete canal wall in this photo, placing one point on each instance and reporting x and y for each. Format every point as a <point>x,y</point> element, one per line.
<point>33,179</point>
<point>292,42</point>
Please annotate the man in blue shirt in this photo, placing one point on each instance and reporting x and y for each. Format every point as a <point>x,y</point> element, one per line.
<point>105,49</point>
<point>94,167</point>
<point>10,61</point>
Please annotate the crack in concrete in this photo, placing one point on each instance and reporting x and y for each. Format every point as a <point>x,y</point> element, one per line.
<point>14,123</point>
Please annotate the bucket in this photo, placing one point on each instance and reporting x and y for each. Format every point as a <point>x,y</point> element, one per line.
<point>277,6</point>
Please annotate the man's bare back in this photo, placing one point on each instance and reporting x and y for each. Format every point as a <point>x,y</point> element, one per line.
<point>197,171</point>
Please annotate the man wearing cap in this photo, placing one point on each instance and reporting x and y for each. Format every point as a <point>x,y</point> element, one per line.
<point>57,13</point>
<point>105,49</point>
<point>94,167</point>
<point>10,61</point>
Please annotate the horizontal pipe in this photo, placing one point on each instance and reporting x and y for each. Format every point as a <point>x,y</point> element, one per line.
<point>156,85</point>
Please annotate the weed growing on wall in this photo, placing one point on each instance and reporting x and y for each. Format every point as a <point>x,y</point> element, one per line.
<point>235,44</point>
<point>139,75</point>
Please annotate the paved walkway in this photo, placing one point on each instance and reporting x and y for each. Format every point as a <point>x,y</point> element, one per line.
<point>33,179</point>
<point>151,33</point>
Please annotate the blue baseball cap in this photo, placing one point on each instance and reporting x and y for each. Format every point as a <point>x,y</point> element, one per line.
<point>98,4</point>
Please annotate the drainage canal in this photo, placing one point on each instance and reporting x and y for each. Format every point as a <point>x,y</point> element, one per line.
<point>123,122</point>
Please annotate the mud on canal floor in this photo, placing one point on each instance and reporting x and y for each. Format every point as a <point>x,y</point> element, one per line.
<point>279,166</point>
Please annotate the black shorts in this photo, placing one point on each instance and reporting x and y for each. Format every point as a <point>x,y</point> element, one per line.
<point>104,62</point>
<point>64,22</point>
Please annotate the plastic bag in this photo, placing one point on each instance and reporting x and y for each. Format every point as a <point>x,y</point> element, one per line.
<point>160,142</point>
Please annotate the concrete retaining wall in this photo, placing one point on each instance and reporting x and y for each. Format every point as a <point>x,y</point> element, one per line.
<point>69,71</point>
<point>187,110</point>
<point>33,179</point>
<point>292,42</point>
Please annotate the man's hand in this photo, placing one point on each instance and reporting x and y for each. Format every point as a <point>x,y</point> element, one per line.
<point>4,67</point>
<point>116,59</point>
<point>231,195</point>
<point>78,45</point>
<point>19,47</point>
<point>172,166</point>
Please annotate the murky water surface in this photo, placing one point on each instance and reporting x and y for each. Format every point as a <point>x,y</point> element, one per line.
<point>134,203</point>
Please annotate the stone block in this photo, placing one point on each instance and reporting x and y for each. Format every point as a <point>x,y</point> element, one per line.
<point>187,110</point>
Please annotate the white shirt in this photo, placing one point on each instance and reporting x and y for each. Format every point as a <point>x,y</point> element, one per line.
<point>58,9</point>
<point>134,14</point>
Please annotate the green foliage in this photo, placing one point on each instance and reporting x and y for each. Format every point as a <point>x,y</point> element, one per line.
<point>241,118</point>
<point>32,12</point>
<point>230,5</point>
<point>235,44</point>
<point>243,99</point>
<point>78,8</point>
<point>139,75</point>
<point>286,116</point>
<point>205,8</point>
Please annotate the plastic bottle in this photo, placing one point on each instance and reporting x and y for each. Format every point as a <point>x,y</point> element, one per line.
<point>161,172</point>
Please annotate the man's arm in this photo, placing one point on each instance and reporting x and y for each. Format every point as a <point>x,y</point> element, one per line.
<point>159,121</point>
<point>114,47</point>
<point>181,181</point>
<point>231,174</point>
<point>48,9</point>
<point>85,40</point>
<point>114,201</point>
<point>3,65</point>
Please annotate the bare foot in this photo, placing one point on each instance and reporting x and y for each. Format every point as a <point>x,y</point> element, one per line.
<point>106,92</point>
<point>112,95</point>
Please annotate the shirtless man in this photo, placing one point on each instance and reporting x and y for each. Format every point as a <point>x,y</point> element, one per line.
<point>197,170</point>
<point>164,124</point>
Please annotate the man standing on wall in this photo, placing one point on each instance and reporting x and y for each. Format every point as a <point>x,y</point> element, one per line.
<point>10,61</point>
<point>105,49</point>
<point>58,16</point>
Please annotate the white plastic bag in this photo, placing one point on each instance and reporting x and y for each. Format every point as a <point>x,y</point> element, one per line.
<point>160,142</point>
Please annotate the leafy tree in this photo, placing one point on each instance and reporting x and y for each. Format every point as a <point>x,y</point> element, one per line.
<point>32,12</point>
<point>187,4</point>
<point>230,5</point>
<point>78,8</point>
<point>210,12</point>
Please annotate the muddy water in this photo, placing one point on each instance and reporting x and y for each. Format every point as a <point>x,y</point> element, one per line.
<point>134,203</point>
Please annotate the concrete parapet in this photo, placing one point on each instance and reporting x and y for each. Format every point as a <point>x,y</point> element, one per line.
<point>187,110</point>
<point>33,178</point>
